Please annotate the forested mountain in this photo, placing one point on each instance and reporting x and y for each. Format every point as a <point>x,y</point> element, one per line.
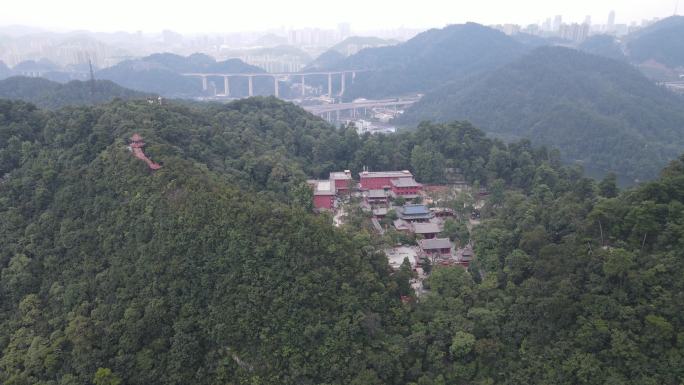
<point>211,269</point>
<point>42,65</point>
<point>49,94</point>
<point>328,59</point>
<point>5,71</point>
<point>349,46</point>
<point>661,42</point>
<point>161,73</point>
<point>429,59</point>
<point>603,45</point>
<point>594,109</point>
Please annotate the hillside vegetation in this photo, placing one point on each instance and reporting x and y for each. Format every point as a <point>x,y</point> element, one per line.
<point>598,111</point>
<point>212,270</point>
<point>48,94</point>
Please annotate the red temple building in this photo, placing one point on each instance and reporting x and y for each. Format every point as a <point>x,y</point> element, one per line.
<point>381,179</point>
<point>342,181</point>
<point>324,195</point>
<point>406,187</point>
<point>136,147</point>
<point>440,247</point>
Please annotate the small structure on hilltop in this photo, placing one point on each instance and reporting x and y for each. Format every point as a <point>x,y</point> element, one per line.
<point>465,255</point>
<point>436,247</point>
<point>415,213</point>
<point>380,212</point>
<point>376,198</point>
<point>443,212</point>
<point>326,191</point>
<point>427,230</point>
<point>136,147</point>
<point>406,187</point>
<point>323,194</point>
<point>342,181</point>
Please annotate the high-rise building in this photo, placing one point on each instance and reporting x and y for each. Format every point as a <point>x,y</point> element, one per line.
<point>343,31</point>
<point>574,32</point>
<point>610,26</point>
<point>557,22</point>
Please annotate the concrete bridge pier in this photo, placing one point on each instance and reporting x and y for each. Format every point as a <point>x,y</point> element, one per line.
<point>275,86</point>
<point>251,85</point>
<point>342,80</point>
<point>205,86</point>
<point>330,85</point>
<point>303,86</point>
<point>226,86</point>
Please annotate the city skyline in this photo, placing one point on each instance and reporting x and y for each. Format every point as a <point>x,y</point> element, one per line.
<point>204,17</point>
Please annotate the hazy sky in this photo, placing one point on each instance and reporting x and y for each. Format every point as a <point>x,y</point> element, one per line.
<point>189,16</point>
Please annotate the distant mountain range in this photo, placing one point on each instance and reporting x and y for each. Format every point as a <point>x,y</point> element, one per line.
<point>336,54</point>
<point>456,52</point>
<point>600,111</point>
<point>5,71</point>
<point>603,45</point>
<point>48,94</point>
<point>662,42</point>
<point>657,50</point>
<point>45,69</point>
<point>162,73</point>
<point>428,60</point>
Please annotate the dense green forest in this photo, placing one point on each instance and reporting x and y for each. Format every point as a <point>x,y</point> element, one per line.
<point>212,270</point>
<point>48,94</point>
<point>429,59</point>
<point>595,110</point>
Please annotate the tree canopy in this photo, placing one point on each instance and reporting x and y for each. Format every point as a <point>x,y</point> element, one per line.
<point>212,270</point>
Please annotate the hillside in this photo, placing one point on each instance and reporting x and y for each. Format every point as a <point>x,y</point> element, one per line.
<point>430,59</point>
<point>595,110</point>
<point>661,42</point>
<point>48,94</point>
<point>349,46</point>
<point>161,73</point>
<point>42,65</point>
<point>603,45</point>
<point>328,59</point>
<point>177,276</point>
<point>211,270</point>
<point>5,71</point>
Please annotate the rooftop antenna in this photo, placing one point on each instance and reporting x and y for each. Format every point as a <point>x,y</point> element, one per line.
<point>92,77</point>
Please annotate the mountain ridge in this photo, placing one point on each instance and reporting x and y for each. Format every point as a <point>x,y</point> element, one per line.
<point>49,94</point>
<point>562,97</point>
